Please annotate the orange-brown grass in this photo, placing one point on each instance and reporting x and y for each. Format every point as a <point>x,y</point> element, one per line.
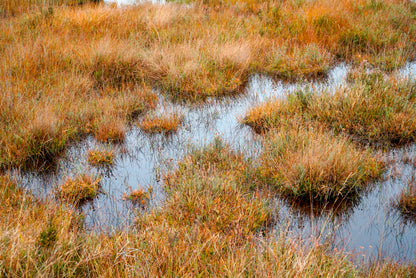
<point>220,238</point>
<point>110,128</point>
<point>166,123</point>
<point>311,164</point>
<point>79,189</point>
<point>99,157</point>
<point>34,235</point>
<point>371,110</point>
<point>212,188</point>
<point>16,7</point>
<point>41,129</point>
<point>79,68</point>
<point>407,199</point>
<point>309,61</point>
<point>139,196</point>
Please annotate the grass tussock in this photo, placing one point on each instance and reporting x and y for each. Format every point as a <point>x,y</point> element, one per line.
<point>79,189</point>
<point>167,123</point>
<point>315,165</point>
<point>372,110</point>
<point>139,196</point>
<point>98,157</point>
<point>407,200</point>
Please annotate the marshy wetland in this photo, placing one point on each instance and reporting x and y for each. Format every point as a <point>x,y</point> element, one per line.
<point>208,138</point>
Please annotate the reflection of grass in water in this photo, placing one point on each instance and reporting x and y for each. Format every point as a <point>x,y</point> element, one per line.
<point>341,207</point>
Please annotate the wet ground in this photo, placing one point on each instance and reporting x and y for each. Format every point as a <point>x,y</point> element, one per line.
<point>370,227</point>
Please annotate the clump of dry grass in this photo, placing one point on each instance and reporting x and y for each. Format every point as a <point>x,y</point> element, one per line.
<point>79,189</point>
<point>309,61</point>
<point>315,165</point>
<point>407,199</point>
<point>372,110</point>
<point>275,114</point>
<point>110,128</point>
<point>99,157</point>
<point>166,123</point>
<point>139,196</point>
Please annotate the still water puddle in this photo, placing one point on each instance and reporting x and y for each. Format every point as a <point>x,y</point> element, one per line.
<point>371,226</point>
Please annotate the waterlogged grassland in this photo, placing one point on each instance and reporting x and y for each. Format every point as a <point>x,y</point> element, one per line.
<point>315,142</point>
<point>208,226</point>
<point>67,71</point>
<point>371,110</point>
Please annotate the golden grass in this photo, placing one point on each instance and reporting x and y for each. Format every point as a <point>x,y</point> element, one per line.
<point>27,227</point>
<point>16,7</point>
<point>81,69</point>
<point>308,163</point>
<point>99,157</point>
<point>371,110</point>
<point>222,180</point>
<point>208,227</point>
<point>79,189</point>
<point>139,196</point>
<point>166,123</point>
<point>53,122</point>
<point>70,71</point>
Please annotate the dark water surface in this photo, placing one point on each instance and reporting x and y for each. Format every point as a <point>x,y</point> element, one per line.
<point>371,227</point>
